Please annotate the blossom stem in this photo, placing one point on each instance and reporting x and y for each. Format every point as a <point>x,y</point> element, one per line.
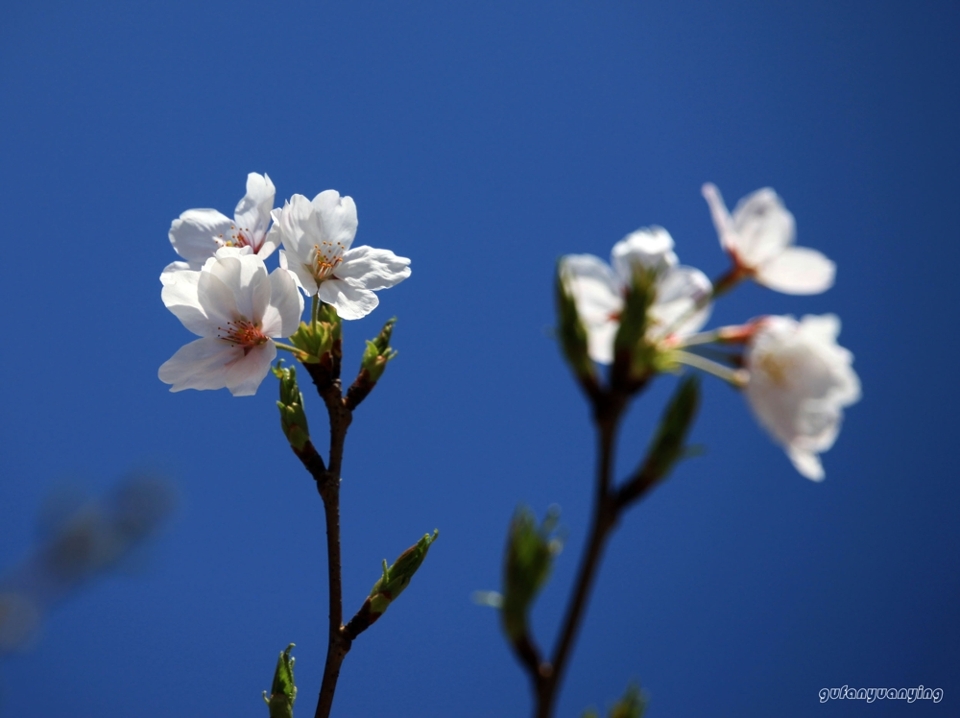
<point>288,348</point>
<point>736,377</point>
<point>314,310</point>
<point>701,338</point>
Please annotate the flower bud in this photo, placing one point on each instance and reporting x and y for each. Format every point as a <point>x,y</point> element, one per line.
<point>391,584</point>
<point>571,330</point>
<point>633,355</point>
<point>293,420</point>
<point>378,353</point>
<point>527,566</point>
<point>314,341</point>
<point>669,444</point>
<point>283,693</point>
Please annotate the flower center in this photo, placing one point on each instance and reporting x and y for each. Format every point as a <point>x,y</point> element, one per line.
<point>239,237</point>
<point>777,368</point>
<point>326,258</point>
<point>244,333</point>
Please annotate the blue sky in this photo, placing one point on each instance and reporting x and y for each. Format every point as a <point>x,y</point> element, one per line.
<point>483,140</point>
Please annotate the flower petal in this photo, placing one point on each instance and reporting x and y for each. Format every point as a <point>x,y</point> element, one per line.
<point>763,227</point>
<point>679,291</point>
<point>721,217</point>
<point>244,375</point>
<point>301,273</point>
<point>282,316</point>
<point>246,276</point>
<point>807,463</point>
<point>373,268</point>
<point>194,235</point>
<point>201,364</point>
<point>179,295</point>
<point>350,300</point>
<point>651,247</point>
<point>252,214</point>
<point>336,218</point>
<point>596,292</point>
<point>797,270</point>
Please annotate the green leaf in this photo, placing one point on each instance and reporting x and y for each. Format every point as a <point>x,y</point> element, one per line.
<point>293,420</point>
<point>571,331</point>
<point>527,566</point>
<point>397,577</point>
<point>283,693</point>
<point>669,443</point>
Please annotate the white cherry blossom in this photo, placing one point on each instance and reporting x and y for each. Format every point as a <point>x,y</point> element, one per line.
<point>598,290</point>
<point>800,380</point>
<point>759,237</point>
<point>199,233</point>
<point>236,307</point>
<point>317,236</point>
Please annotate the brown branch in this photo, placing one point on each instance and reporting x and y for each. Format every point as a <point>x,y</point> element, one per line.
<point>326,377</point>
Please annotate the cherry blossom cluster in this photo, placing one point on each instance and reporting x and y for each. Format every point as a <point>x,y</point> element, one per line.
<point>794,375</point>
<point>223,292</point>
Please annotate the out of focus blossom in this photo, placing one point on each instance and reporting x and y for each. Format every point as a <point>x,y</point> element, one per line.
<point>681,306</point>
<point>80,544</point>
<point>760,236</point>
<point>799,382</point>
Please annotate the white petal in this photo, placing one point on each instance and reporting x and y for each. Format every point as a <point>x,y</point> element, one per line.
<point>194,235</point>
<point>218,302</point>
<point>350,301</point>
<point>179,295</point>
<point>252,214</point>
<point>243,376</point>
<point>201,364</point>
<point>651,247</point>
<point>246,276</point>
<point>596,292</point>
<point>595,288</point>
<point>336,218</point>
<point>807,463</point>
<point>721,217</point>
<point>373,268</point>
<point>270,242</point>
<point>763,227</point>
<point>302,274</point>
<point>282,316</point>
<point>797,270</point>
<point>679,291</point>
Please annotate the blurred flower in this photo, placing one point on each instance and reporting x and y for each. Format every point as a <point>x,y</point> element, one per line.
<point>236,307</point>
<point>598,290</point>
<point>800,380</point>
<point>759,238</point>
<point>82,541</point>
<point>199,233</point>
<point>316,238</point>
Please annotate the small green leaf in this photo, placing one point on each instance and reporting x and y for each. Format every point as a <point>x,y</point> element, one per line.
<point>283,693</point>
<point>293,420</point>
<point>527,566</point>
<point>397,577</point>
<point>669,444</point>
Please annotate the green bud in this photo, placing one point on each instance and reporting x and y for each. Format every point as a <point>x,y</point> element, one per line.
<point>293,420</point>
<point>527,565</point>
<point>378,353</point>
<point>632,705</point>
<point>327,314</point>
<point>669,444</point>
<point>633,356</point>
<point>284,692</point>
<point>397,577</point>
<point>313,341</point>
<point>571,332</point>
